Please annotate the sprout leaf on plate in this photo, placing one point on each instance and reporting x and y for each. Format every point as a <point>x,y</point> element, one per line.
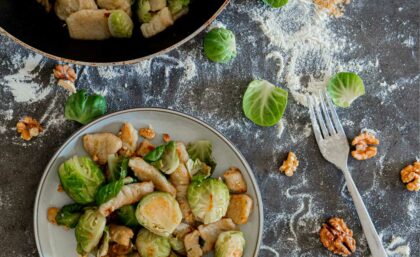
<point>170,159</point>
<point>344,88</point>
<point>108,191</point>
<point>202,150</point>
<point>155,154</point>
<point>117,167</point>
<point>264,103</point>
<point>81,179</point>
<point>69,215</point>
<point>127,216</point>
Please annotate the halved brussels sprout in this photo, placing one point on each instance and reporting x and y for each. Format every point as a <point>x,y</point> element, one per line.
<point>144,11</point>
<point>159,212</point>
<point>176,6</point>
<point>230,244</point>
<point>120,24</point>
<point>170,159</point>
<point>127,216</point>
<point>89,231</point>
<point>69,215</point>
<point>151,245</point>
<point>81,179</point>
<point>208,199</point>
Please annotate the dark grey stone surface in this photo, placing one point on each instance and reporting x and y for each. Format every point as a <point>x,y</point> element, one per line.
<point>294,207</point>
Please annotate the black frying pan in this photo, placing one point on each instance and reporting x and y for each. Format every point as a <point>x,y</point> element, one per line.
<point>26,22</point>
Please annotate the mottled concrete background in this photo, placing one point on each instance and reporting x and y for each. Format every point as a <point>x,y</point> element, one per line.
<point>382,33</point>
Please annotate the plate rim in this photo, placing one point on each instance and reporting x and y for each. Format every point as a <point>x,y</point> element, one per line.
<point>152,109</point>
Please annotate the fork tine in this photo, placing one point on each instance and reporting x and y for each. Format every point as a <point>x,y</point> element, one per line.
<point>326,114</point>
<point>321,121</point>
<point>315,126</point>
<point>334,115</point>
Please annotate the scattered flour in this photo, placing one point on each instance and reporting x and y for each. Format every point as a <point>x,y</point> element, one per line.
<point>6,114</point>
<point>3,129</point>
<point>398,247</point>
<point>21,84</point>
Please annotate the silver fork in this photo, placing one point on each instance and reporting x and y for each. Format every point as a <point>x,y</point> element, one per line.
<point>332,142</point>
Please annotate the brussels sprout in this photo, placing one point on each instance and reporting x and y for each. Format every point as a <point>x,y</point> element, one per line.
<point>220,45</point>
<point>151,245</point>
<point>170,159</point>
<point>264,103</point>
<point>84,108</point>
<point>104,244</point>
<point>156,154</point>
<point>127,216</point>
<point>143,11</point>
<point>159,212</point>
<point>198,167</point>
<point>117,167</point>
<point>81,179</point>
<point>202,150</point>
<point>89,231</point>
<point>176,6</point>
<point>344,88</point>
<point>120,24</point>
<point>177,245</point>
<point>230,244</point>
<point>108,191</point>
<point>208,199</point>
<point>275,3</point>
<point>69,215</point>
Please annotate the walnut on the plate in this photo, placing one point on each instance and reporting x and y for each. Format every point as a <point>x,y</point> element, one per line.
<point>337,237</point>
<point>147,133</point>
<point>51,214</point>
<point>28,128</point>
<point>166,138</point>
<point>289,165</point>
<point>365,145</point>
<point>411,176</point>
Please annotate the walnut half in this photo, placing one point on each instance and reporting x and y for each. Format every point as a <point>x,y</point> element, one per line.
<point>290,164</point>
<point>365,145</point>
<point>411,176</point>
<point>28,128</point>
<point>337,237</point>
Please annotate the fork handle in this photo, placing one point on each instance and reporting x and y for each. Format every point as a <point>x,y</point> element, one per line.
<point>374,242</point>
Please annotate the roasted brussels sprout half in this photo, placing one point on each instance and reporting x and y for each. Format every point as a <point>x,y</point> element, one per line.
<point>208,199</point>
<point>220,45</point>
<point>151,245</point>
<point>144,11</point>
<point>127,216</point>
<point>159,212</point>
<point>230,244</point>
<point>89,231</point>
<point>117,167</point>
<point>176,6</point>
<point>170,159</point>
<point>81,179</point>
<point>69,215</point>
<point>120,24</point>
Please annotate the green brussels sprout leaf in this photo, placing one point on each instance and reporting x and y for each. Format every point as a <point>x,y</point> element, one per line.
<point>198,167</point>
<point>156,154</point>
<point>275,3</point>
<point>143,11</point>
<point>69,215</point>
<point>220,45</point>
<point>89,231</point>
<point>170,159</point>
<point>344,88</point>
<point>120,24</point>
<point>264,103</point>
<point>230,243</point>
<point>202,150</point>
<point>84,108</point>
<point>108,191</point>
<point>127,216</point>
<point>81,179</point>
<point>117,167</point>
<point>208,199</point>
<point>151,245</point>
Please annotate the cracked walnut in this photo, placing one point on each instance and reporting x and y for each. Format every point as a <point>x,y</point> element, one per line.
<point>411,176</point>
<point>337,237</point>
<point>365,145</point>
<point>290,164</point>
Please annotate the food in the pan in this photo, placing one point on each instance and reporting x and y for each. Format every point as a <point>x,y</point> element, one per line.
<point>220,45</point>
<point>156,203</point>
<point>264,103</point>
<point>344,88</point>
<point>103,19</point>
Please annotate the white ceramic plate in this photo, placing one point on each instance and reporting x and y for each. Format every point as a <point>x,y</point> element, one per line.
<point>54,241</point>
